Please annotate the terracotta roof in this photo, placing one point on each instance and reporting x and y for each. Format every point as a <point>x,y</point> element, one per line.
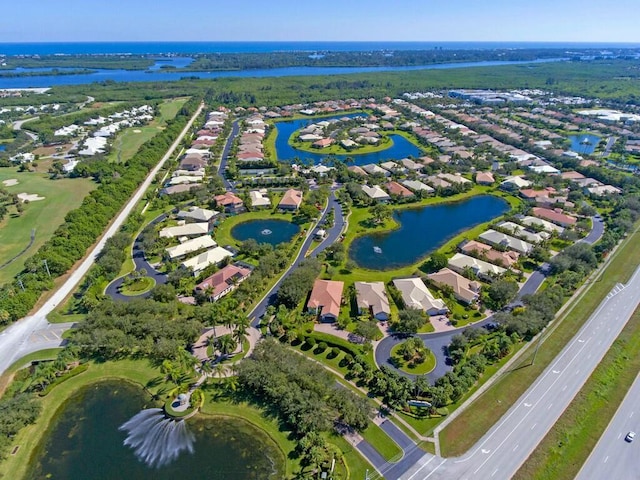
<point>291,198</point>
<point>223,279</point>
<point>227,199</point>
<point>327,296</point>
<point>555,216</point>
<point>394,188</point>
<point>463,288</point>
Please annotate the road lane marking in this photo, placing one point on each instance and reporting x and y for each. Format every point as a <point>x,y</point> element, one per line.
<point>495,471</point>
<point>564,388</point>
<point>418,471</point>
<point>631,415</point>
<point>533,426</point>
<point>606,458</point>
<point>549,407</point>
<point>515,448</point>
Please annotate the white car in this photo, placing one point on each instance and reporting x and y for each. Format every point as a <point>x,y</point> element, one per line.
<point>630,436</point>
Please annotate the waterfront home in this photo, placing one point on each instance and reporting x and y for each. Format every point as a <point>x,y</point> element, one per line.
<point>453,179</point>
<point>186,230</point>
<point>230,202</point>
<point>325,300</point>
<point>190,246</point>
<point>323,143</point>
<point>357,170</point>
<point>520,232</point>
<point>259,199</point>
<point>371,298</point>
<point>394,188</point>
<point>437,182</point>
<point>479,249</point>
<point>376,193</point>
<point>466,291</point>
<point>291,200</point>
<point>206,259</point>
<point>492,237</point>
<point>485,178</point>
<point>417,185</point>
<point>197,214</point>
<point>515,183</point>
<point>410,164</point>
<point>556,216</point>
<point>484,270</point>
<point>222,282</point>
<point>415,294</point>
<point>540,223</point>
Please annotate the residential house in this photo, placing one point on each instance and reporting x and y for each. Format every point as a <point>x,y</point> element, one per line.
<point>190,246</point>
<point>416,295</point>
<point>515,183</point>
<point>222,282</point>
<point>357,170</point>
<point>505,259</point>
<point>229,202</point>
<point>325,299</point>
<point>372,299</point>
<point>603,190</point>
<point>492,237</point>
<point>520,232</point>
<point>376,193</point>
<point>484,270</point>
<point>259,199</point>
<point>485,178</point>
<point>197,214</point>
<point>453,179</point>
<point>372,168</point>
<point>437,182</point>
<point>410,164</point>
<point>291,200</point>
<point>176,189</point>
<point>466,291</point>
<point>206,259</point>
<point>417,185</point>
<point>186,230</point>
<point>394,188</point>
<point>556,216</point>
<point>323,143</point>
<point>540,223</point>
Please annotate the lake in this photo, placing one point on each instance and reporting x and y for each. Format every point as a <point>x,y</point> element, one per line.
<point>84,442</point>
<point>584,144</point>
<point>422,230</point>
<point>101,75</point>
<point>401,147</point>
<point>269,231</point>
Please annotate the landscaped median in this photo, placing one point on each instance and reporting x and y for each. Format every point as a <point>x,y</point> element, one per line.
<point>463,432</point>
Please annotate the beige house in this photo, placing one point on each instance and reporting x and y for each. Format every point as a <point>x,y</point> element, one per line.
<point>467,291</point>
<point>416,295</point>
<point>372,298</point>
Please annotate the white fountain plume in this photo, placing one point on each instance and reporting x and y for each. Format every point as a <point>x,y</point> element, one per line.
<point>156,439</point>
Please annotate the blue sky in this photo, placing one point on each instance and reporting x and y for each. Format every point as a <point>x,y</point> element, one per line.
<point>327,20</point>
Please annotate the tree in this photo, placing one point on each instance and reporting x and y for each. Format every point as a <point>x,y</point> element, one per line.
<point>226,344</point>
<point>501,292</point>
<point>410,320</point>
<point>437,261</point>
<point>368,330</point>
<point>380,212</point>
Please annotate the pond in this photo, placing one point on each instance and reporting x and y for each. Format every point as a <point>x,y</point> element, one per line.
<point>84,442</point>
<point>423,230</point>
<point>584,144</point>
<point>401,147</point>
<point>271,231</point>
<point>3,147</point>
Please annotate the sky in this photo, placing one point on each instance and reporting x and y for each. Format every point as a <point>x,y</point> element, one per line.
<point>323,20</point>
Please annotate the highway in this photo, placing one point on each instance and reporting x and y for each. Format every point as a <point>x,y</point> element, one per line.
<point>506,446</point>
<point>15,339</point>
<point>613,457</point>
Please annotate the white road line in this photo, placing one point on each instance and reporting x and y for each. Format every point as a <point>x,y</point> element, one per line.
<point>533,426</point>
<point>418,471</point>
<point>606,458</point>
<point>515,448</point>
<point>549,407</point>
<point>494,472</point>
<point>564,388</point>
<point>434,470</point>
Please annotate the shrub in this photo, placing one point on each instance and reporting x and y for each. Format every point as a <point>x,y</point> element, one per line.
<point>335,351</point>
<point>311,341</point>
<point>322,346</point>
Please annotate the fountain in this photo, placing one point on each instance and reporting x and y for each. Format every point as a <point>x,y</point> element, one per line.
<point>156,439</point>
<point>377,249</point>
<point>266,231</point>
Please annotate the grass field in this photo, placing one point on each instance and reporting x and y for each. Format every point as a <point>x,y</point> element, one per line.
<point>131,139</point>
<point>566,447</point>
<point>468,428</point>
<point>61,196</point>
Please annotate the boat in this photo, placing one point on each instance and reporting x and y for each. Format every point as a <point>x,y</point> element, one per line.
<point>377,249</point>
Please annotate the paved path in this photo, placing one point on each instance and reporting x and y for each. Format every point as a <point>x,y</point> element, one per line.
<point>224,158</point>
<point>14,339</point>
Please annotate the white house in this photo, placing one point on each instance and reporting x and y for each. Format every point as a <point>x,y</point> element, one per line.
<point>415,294</point>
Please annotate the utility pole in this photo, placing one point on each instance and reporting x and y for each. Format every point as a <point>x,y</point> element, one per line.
<point>46,265</point>
<point>535,353</point>
<point>21,284</point>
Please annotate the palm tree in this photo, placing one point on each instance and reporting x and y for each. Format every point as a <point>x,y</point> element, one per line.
<point>226,344</point>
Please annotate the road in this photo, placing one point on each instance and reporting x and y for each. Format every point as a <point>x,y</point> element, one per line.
<point>333,233</point>
<point>14,340</point>
<point>140,262</point>
<point>506,446</point>
<point>607,149</point>
<point>18,126</point>
<point>222,168</point>
<point>613,457</point>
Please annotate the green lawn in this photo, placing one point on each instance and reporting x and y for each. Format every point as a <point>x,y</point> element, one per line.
<point>469,427</point>
<point>129,140</point>
<point>138,287</point>
<point>381,442</point>
<point>566,447</point>
<point>415,369</point>
<point>45,216</point>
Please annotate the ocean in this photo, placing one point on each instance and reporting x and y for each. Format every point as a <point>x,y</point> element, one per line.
<point>162,48</point>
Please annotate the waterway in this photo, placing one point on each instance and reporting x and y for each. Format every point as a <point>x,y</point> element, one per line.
<point>159,75</point>
<point>401,148</point>
<point>84,442</point>
<point>422,230</point>
<point>273,232</point>
<point>584,144</point>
